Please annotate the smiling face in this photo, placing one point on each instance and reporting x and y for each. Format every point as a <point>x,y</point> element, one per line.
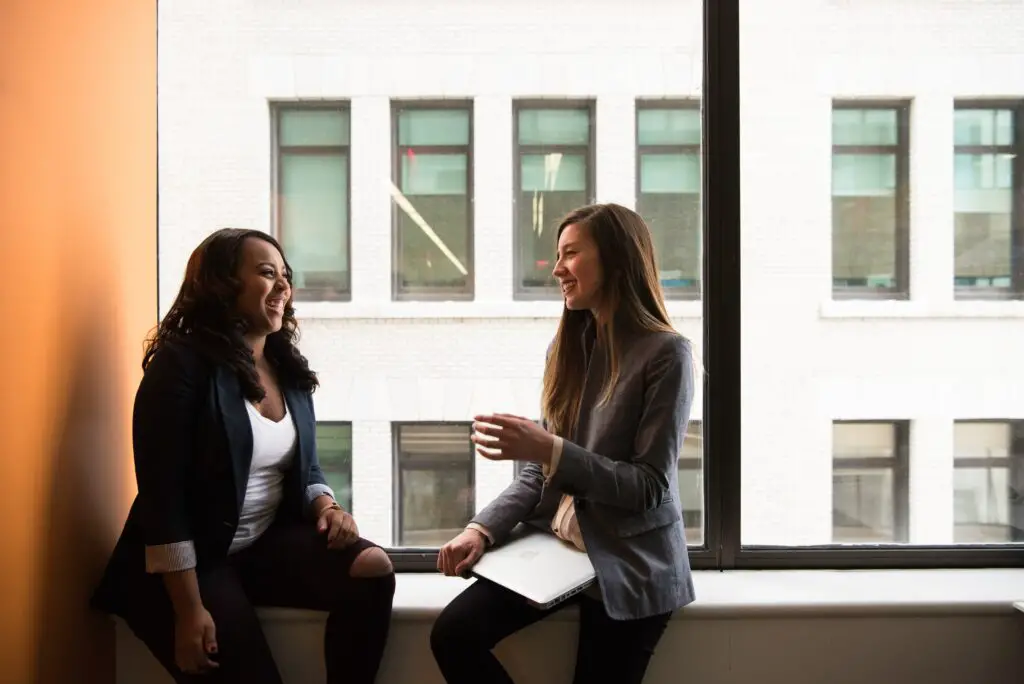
<point>265,288</point>
<point>578,268</point>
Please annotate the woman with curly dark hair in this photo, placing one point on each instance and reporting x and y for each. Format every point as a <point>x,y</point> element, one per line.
<point>232,509</point>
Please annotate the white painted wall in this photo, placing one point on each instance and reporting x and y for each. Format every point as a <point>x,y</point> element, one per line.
<point>806,359</point>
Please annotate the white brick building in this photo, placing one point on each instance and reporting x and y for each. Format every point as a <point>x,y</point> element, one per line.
<point>810,356</point>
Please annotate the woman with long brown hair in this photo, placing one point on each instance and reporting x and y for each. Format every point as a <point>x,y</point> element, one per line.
<point>232,509</point>
<point>601,469</point>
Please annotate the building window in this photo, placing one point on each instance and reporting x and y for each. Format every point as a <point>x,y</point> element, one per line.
<point>988,166</point>
<point>312,198</point>
<point>334,451</point>
<point>691,483</point>
<point>435,495</point>
<point>988,482</point>
<point>870,482</point>
<point>554,174</point>
<point>668,179</point>
<point>433,200</point>
<point>870,209</point>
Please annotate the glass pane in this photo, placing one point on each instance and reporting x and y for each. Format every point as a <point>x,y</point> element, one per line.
<point>433,127</point>
<point>691,483</point>
<point>865,127</point>
<point>313,127</point>
<point>434,174</point>
<point>668,126</point>
<point>313,205</point>
<point>862,507</point>
<point>983,215</point>
<point>554,171</point>
<point>334,450</point>
<point>554,127</point>
<point>983,127</point>
<point>436,482</point>
<point>669,201</point>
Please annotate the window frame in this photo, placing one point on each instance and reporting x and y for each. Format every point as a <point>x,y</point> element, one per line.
<point>1016,289</point>
<point>278,109</point>
<point>432,294</point>
<point>412,556</point>
<point>649,103</point>
<point>519,291</point>
<point>901,150</point>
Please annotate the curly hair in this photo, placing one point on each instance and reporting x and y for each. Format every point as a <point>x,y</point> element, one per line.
<point>203,316</point>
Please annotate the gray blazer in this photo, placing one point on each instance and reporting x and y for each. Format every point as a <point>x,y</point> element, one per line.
<point>621,466</point>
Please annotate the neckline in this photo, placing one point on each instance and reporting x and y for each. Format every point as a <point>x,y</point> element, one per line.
<point>255,411</point>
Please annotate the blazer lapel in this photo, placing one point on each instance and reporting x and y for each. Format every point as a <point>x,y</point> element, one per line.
<point>304,432</point>
<point>237,429</point>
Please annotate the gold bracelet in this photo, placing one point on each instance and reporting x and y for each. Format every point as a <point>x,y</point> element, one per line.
<point>333,504</point>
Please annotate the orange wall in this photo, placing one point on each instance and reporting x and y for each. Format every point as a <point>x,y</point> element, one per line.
<point>77,295</point>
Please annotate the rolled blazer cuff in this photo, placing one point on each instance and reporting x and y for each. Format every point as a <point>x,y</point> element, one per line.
<point>482,530</point>
<point>171,557</point>
<point>551,468</point>
<point>315,490</point>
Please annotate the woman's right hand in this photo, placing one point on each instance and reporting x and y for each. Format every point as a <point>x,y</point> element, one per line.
<point>195,640</point>
<point>459,555</point>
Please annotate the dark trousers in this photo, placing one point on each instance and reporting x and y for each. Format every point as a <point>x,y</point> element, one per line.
<point>485,613</point>
<point>289,566</point>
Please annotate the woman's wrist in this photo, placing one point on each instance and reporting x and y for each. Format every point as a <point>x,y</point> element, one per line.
<point>325,503</point>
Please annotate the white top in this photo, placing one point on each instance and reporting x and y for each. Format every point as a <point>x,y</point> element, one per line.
<point>273,448</point>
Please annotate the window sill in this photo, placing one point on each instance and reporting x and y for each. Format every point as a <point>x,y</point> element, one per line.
<point>770,593</point>
<point>543,309</point>
<point>961,309</point>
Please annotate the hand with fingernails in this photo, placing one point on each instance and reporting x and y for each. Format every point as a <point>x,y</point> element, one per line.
<point>506,437</point>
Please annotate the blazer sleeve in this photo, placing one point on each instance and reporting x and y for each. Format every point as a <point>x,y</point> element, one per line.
<point>316,483</point>
<point>513,505</point>
<point>641,481</point>
<point>164,426</point>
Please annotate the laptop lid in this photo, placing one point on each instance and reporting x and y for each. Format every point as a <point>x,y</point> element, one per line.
<point>538,566</point>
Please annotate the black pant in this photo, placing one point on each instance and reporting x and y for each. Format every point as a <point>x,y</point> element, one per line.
<point>485,613</point>
<point>289,566</point>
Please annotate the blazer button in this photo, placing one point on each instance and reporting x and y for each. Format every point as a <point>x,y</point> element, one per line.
<point>227,523</point>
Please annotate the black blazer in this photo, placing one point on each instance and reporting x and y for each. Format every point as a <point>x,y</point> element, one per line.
<point>192,442</point>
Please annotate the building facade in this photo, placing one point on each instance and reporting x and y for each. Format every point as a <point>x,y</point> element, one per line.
<point>414,159</point>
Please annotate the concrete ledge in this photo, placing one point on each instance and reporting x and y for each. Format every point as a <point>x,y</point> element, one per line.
<point>768,593</point>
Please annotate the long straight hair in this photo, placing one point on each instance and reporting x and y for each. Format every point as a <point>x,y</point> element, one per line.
<point>631,293</point>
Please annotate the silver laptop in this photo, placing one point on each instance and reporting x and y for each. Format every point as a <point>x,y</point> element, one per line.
<point>537,565</point>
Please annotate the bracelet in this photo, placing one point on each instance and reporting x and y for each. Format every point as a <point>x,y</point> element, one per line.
<point>333,505</point>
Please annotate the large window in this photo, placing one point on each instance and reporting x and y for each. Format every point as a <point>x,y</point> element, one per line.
<point>433,200</point>
<point>988,482</point>
<point>869,482</point>
<point>870,208</point>
<point>554,174</point>
<point>668,189</point>
<point>988,242</point>
<point>312,198</point>
<point>435,493</point>
<point>334,451</point>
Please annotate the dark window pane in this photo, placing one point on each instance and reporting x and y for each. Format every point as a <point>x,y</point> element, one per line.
<point>313,205</point>
<point>334,451</point>
<point>865,485</point>
<point>436,484</point>
<point>983,200</point>
<point>552,185</point>
<point>669,202</point>
<point>433,229</point>
<point>691,484</point>
<point>864,217</point>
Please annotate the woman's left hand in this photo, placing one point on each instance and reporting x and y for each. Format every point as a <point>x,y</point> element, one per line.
<point>339,526</point>
<point>504,437</point>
